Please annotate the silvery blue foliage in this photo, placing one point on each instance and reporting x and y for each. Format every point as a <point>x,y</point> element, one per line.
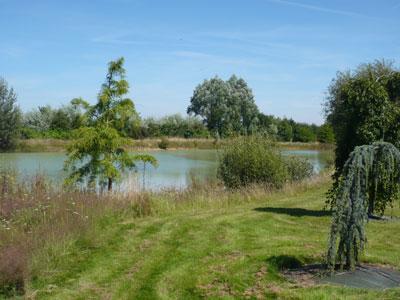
<point>370,181</point>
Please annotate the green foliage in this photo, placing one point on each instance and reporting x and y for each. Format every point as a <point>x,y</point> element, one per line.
<point>251,160</point>
<point>39,120</point>
<point>256,160</point>
<point>163,144</point>
<point>326,134</point>
<point>173,125</point>
<point>287,130</point>
<point>48,122</point>
<point>10,117</point>
<point>370,182</point>
<point>363,107</point>
<point>298,168</point>
<point>227,107</point>
<point>112,106</point>
<point>97,153</point>
<point>304,133</point>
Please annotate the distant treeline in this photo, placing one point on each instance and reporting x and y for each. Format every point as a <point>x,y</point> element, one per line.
<point>218,109</point>
<point>58,123</point>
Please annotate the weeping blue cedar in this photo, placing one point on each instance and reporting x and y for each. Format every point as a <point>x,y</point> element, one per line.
<point>370,182</point>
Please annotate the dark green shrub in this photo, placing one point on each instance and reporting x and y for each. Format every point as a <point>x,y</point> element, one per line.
<point>29,133</point>
<point>326,134</point>
<point>298,168</point>
<point>251,160</point>
<point>304,133</point>
<point>163,144</point>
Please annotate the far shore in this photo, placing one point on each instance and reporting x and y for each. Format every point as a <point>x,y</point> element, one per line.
<point>174,143</point>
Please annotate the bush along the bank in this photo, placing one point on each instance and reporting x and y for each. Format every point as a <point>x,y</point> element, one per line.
<point>256,160</point>
<point>298,168</point>
<point>163,144</point>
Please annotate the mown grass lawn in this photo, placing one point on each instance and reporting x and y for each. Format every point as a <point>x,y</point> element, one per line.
<point>228,253</point>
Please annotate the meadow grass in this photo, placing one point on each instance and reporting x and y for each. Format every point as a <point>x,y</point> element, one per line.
<point>203,242</point>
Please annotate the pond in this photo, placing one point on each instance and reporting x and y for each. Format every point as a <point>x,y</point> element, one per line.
<point>176,167</point>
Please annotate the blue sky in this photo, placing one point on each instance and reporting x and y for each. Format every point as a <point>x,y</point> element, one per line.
<point>287,51</point>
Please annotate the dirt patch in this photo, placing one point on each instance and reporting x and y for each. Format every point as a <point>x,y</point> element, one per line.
<point>217,288</point>
<point>305,276</point>
<point>259,289</point>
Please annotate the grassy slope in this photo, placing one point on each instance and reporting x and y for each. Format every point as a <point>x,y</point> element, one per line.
<point>230,252</point>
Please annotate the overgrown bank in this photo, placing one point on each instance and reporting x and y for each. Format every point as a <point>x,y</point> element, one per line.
<point>201,242</point>
<point>59,145</point>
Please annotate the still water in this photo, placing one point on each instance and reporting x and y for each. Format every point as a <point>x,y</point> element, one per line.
<point>176,167</point>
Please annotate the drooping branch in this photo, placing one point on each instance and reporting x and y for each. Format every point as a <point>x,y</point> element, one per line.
<point>369,182</point>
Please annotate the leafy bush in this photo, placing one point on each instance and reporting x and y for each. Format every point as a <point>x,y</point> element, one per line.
<point>252,160</point>
<point>163,144</point>
<point>298,168</point>
<point>29,133</point>
<point>256,160</point>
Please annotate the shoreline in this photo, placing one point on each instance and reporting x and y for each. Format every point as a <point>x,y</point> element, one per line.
<point>57,145</point>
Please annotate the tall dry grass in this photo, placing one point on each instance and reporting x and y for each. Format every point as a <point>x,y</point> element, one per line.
<point>34,213</point>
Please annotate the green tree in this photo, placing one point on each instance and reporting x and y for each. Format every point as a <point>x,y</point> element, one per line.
<point>112,106</point>
<point>325,134</point>
<point>285,131</point>
<point>66,118</point>
<point>10,116</point>
<point>226,106</point>
<point>39,119</point>
<point>245,112</point>
<point>363,107</point>
<point>46,121</point>
<point>60,120</point>
<point>303,133</point>
<point>97,156</point>
<point>265,121</point>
